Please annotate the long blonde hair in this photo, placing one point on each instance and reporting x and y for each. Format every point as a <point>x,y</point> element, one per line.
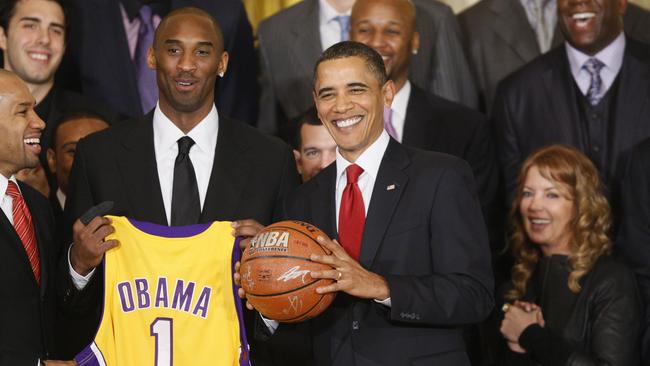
<point>578,176</point>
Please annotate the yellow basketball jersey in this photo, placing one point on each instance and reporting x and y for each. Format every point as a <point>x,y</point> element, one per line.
<point>169,298</point>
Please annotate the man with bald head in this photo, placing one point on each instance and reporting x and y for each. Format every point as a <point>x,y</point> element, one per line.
<point>137,166</point>
<point>28,252</point>
<point>291,41</point>
<point>418,118</point>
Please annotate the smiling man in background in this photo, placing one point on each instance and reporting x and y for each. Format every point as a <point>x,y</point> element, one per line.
<point>33,41</point>
<point>591,92</point>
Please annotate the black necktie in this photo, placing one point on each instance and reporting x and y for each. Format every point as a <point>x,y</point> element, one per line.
<point>186,207</point>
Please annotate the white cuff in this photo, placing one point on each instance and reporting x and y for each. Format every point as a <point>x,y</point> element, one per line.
<point>78,280</point>
<point>272,325</point>
<point>385,302</point>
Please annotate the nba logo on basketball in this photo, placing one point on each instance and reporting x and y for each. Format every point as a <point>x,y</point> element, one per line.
<point>270,241</point>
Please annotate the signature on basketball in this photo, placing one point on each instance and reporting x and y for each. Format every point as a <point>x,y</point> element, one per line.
<point>294,272</point>
<point>248,278</point>
<point>296,304</point>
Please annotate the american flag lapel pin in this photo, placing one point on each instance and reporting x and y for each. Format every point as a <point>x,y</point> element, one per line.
<point>390,187</point>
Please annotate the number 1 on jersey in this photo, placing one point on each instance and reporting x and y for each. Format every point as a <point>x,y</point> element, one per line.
<point>161,328</point>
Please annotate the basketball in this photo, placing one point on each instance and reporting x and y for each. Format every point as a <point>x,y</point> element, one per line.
<point>275,272</point>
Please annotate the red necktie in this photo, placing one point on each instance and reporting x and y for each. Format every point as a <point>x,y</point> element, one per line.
<point>352,214</point>
<point>25,228</point>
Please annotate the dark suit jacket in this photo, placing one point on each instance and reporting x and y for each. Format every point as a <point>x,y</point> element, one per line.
<point>436,124</point>
<point>427,238</point>
<point>251,174</point>
<point>633,239</point>
<point>27,310</point>
<point>289,46</point>
<point>499,40</point>
<point>98,62</point>
<point>537,106</point>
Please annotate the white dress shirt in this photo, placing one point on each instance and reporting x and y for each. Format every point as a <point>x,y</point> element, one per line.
<point>165,145</point>
<point>330,29</point>
<point>542,17</point>
<point>165,137</point>
<point>369,161</point>
<point>6,202</point>
<point>611,56</point>
<point>60,196</point>
<point>400,102</point>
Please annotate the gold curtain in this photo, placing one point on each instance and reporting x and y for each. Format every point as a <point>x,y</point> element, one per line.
<point>259,9</point>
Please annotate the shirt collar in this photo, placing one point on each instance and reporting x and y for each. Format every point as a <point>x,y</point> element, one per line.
<point>132,7</point>
<point>4,182</point>
<point>166,133</point>
<point>611,56</point>
<point>60,196</point>
<point>369,160</point>
<point>401,99</point>
<point>327,12</point>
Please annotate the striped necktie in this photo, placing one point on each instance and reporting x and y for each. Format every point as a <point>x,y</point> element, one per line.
<point>25,228</point>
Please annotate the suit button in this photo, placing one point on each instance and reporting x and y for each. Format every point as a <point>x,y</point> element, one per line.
<point>596,149</point>
<point>355,324</point>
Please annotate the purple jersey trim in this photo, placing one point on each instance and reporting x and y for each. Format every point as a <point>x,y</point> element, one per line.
<point>244,356</point>
<point>169,231</point>
<point>86,357</point>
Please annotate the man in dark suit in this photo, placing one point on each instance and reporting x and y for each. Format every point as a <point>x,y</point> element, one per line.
<point>102,59</point>
<point>413,265</point>
<point>499,39</point>
<point>591,93</point>
<point>237,173</point>
<point>633,216</point>
<point>60,156</point>
<point>28,249</point>
<point>418,118</point>
<point>291,41</point>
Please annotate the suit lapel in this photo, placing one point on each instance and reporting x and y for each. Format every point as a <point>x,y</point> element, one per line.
<point>307,44</point>
<point>115,41</point>
<point>322,201</point>
<point>389,187</point>
<point>633,91</point>
<point>137,162</point>
<point>414,129</point>
<point>43,236</point>
<point>513,27</point>
<point>559,92</point>
<point>230,171</point>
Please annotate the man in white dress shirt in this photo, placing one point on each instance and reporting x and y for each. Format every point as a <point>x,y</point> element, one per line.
<point>143,166</point>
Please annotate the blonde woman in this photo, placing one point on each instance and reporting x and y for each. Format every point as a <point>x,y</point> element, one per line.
<point>569,301</point>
